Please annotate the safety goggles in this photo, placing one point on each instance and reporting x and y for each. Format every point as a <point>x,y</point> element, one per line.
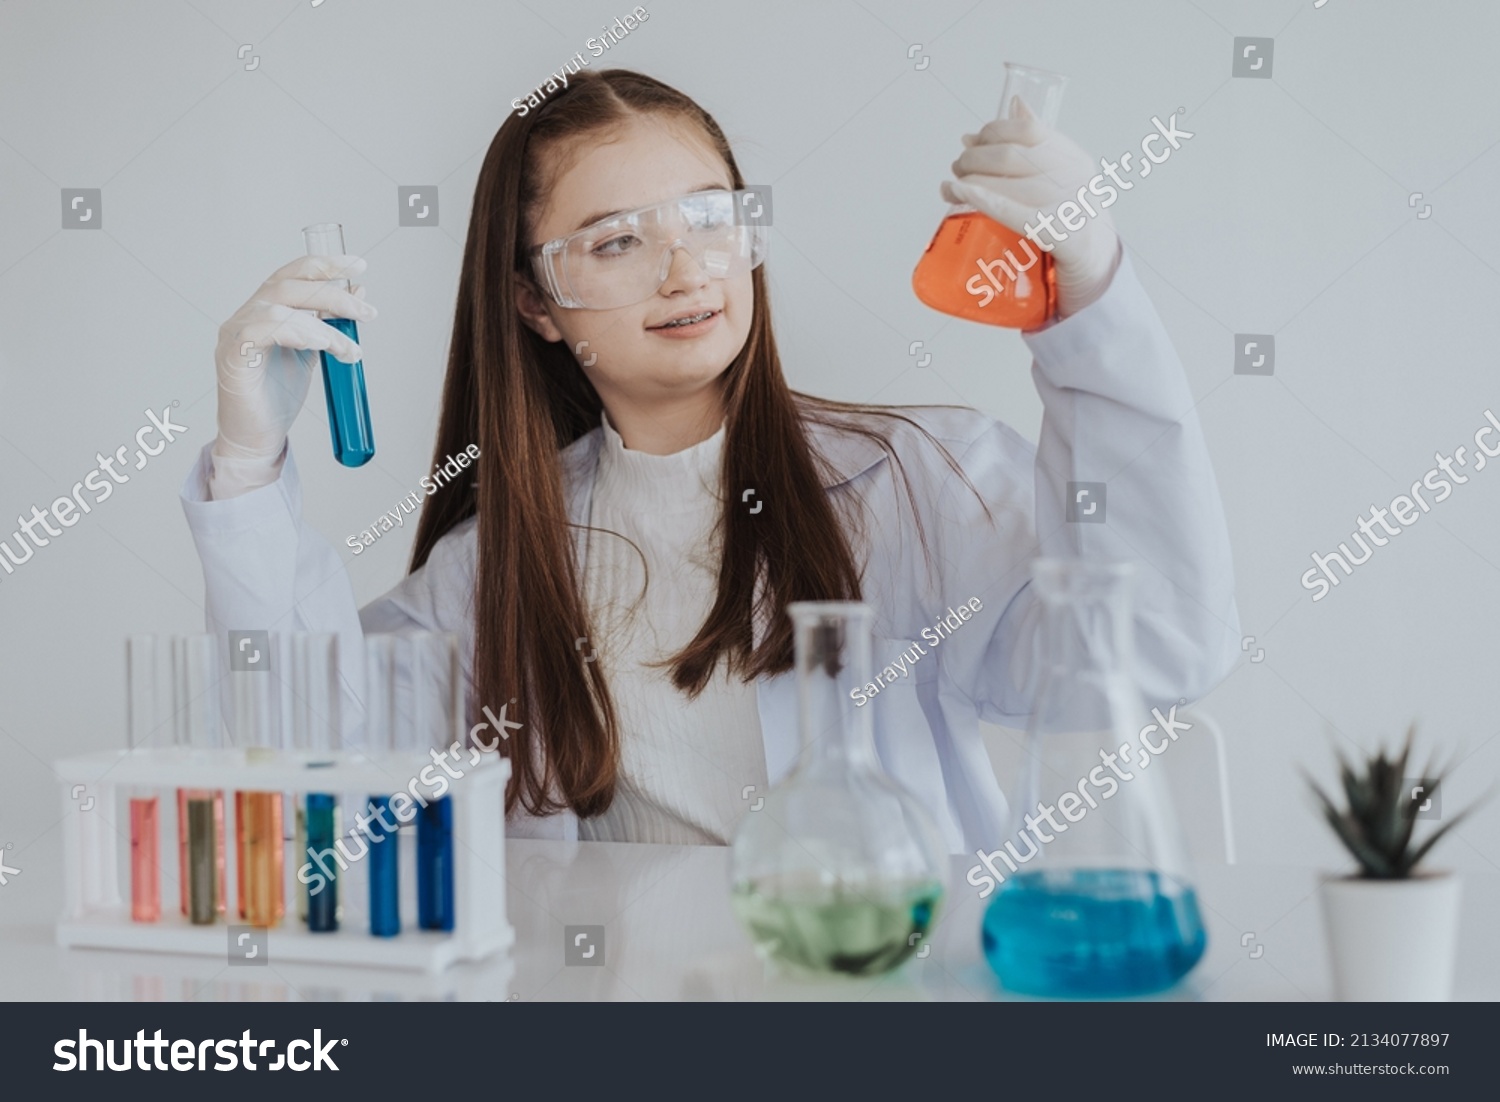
<point>625,259</point>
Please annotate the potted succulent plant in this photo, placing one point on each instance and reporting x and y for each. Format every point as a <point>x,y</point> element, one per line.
<point>1392,930</point>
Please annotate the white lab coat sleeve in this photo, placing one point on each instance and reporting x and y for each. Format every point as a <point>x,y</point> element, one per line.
<point>1117,411</point>
<point>266,568</point>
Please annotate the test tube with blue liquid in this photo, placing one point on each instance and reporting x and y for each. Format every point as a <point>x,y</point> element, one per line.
<point>315,726</point>
<point>343,383</point>
<point>380,738</point>
<point>436,698</point>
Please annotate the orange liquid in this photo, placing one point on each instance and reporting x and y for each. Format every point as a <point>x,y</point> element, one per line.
<point>968,272</point>
<point>239,850</point>
<point>145,867</point>
<point>261,854</point>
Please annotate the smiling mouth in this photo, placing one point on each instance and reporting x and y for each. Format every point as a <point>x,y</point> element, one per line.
<point>693,319</point>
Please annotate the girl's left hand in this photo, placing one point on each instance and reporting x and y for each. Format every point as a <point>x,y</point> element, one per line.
<point>1016,167</point>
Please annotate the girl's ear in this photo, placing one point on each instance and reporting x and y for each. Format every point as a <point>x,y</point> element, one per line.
<point>533,311</point>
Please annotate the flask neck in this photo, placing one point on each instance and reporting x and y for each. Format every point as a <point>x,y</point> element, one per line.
<point>1087,621</point>
<point>1087,638</point>
<point>835,731</point>
<point>833,659</point>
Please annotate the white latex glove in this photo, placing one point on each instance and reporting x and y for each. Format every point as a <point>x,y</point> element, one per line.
<point>1014,168</point>
<point>265,358</point>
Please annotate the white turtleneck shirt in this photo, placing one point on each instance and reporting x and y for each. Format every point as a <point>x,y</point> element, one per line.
<point>685,763</point>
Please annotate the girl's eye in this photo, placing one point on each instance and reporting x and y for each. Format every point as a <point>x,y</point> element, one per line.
<point>616,246</point>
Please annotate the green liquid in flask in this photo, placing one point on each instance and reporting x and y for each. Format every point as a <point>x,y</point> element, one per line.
<point>844,930</point>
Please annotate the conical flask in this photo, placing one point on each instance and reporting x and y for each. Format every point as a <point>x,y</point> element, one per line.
<point>1095,896</point>
<point>975,268</point>
<point>841,870</point>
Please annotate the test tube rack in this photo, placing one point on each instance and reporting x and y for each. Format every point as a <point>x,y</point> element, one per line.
<point>95,848</point>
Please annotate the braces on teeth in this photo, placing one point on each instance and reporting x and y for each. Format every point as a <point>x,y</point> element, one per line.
<point>688,321</point>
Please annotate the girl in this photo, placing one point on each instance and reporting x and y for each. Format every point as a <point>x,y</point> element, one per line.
<point>650,494</point>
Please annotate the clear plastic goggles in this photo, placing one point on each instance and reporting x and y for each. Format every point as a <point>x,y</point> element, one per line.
<point>625,259</point>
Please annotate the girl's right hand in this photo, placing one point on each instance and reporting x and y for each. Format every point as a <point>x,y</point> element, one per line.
<point>266,352</point>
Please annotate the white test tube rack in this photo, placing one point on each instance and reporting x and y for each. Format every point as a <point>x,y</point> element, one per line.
<point>96,916</point>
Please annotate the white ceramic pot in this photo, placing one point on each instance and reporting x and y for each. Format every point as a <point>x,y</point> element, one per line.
<point>1392,940</point>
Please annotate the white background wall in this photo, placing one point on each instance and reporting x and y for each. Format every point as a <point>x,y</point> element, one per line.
<point>1286,213</point>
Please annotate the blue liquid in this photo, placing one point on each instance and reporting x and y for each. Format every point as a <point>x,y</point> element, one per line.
<point>435,865</point>
<point>322,908</point>
<point>1093,932</point>
<point>348,406</point>
<point>385,909</point>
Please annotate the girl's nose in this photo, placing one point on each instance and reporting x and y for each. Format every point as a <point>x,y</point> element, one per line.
<point>680,269</point>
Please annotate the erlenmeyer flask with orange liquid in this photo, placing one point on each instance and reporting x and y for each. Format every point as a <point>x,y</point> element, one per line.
<point>977,269</point>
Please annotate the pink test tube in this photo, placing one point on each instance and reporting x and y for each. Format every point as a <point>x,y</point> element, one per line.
<point>147,704</point>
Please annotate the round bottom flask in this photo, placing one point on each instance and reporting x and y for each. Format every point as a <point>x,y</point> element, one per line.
<point>841,871</point>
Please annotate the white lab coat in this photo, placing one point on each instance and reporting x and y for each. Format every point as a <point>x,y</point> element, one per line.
<point>1117,410</point>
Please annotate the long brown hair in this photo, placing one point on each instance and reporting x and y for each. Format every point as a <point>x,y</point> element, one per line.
<point>523,399</point>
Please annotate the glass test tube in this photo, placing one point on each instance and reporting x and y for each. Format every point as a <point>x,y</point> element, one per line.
<point>380,729</point>
<point>436,694</point>
<point>299,844</point>
<point>143,715</point>
<point>145,858</point>
<point>299,850</point>
<point>239,853</point>
<point>343,384</point>
<point>197,724</point>
<point>315,727</point>
<point>258,814</point>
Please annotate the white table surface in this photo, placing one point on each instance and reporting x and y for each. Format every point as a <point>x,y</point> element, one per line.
<point>670,935</point>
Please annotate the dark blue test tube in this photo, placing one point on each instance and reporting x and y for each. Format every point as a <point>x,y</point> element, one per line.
<point>323,906</point>
<point>385,903</point>
<point>435,865</point>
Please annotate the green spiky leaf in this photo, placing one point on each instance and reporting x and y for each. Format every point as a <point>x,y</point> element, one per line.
<point>1379,823</point>
<point>1421,851</point>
